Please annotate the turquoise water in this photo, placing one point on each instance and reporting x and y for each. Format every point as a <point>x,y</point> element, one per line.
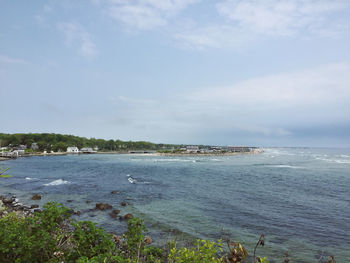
<point>299,198</point>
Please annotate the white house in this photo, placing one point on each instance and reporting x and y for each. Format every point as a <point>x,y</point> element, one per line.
<point>72,149</point>
<point>192,148</point>
<point>87,150</point>
<point>34,146</point>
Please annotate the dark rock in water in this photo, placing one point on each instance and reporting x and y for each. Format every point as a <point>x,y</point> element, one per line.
<point>115,192</point>
<point>92,215</point>
<point>103,206</point>
<point>78,213</point>
<point>123,203</point>
<point>34,206</point>
<point>128,216</point>
<point>113,215</point>
<point>8,200</point>
<point>69,201</point>
<point>36,197</point>
<point>88,201</point>
<point>37,211</point>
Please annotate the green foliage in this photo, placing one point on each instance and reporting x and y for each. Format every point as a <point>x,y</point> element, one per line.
<point>32,239</point>
<point>53,236</point>
<point>60,142</point>
<point>91,241</point>
<point>135,235</point>
<point>204,251</point>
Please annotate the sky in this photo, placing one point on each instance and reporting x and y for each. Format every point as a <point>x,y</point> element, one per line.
<point>226,72</point>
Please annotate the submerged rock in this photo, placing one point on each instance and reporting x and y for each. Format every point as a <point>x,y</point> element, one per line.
<point>114,213</point>
<point>123,203</point>
<point>103,206</point>
<point>128,216</point>
<point>115,192</point>
<point>78,213</point>
<point>36,197</point>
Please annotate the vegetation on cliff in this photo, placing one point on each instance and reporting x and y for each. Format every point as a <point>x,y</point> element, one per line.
<point>52,235</point>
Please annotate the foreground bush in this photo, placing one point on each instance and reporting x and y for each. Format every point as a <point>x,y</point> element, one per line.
<point>53,236</point>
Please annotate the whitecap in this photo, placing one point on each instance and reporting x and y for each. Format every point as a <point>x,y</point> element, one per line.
<point>132,180</point>
<point>286,166</point>
<point>57,182</point>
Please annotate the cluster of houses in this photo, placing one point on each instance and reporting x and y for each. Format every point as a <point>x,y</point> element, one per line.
<point>74,149</point>
<point>216,149</point>
<point>20,150</point>
<point>16,151</point>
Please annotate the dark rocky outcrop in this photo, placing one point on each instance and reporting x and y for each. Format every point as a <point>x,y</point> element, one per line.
<point>36,197</point>
<point>128,216</point>
<point>34,206</point>
<point>103,206</point>
<point>114,213</point>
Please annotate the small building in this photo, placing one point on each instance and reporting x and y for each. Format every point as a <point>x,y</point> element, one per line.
<point>72,149</point>
<point>34,146</point>
<point>192,148</point>
<point>87,150</point>
<point>238,149</point>
<point>22,147</point>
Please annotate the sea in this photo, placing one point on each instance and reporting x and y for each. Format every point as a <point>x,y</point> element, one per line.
<point>299,198</point>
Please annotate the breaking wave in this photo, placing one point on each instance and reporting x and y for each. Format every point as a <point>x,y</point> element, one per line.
<point>57,182</point>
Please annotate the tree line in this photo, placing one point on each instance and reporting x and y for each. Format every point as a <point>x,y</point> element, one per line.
<point>60,142</point>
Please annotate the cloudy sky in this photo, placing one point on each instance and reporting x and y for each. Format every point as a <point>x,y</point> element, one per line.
<point>229,72</point>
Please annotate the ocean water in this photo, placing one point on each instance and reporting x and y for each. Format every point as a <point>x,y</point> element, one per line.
<point>298,197</point>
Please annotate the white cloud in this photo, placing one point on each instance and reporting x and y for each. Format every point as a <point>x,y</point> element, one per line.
<point>326,85</point>
<point>281,17</point>
<point>246,21</point>
<point>146,14</point>
<point>212,37</point>
<point>76,35</point>
<point>9,60</point>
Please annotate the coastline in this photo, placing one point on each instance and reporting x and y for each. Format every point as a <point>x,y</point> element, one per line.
<point>138,154</point>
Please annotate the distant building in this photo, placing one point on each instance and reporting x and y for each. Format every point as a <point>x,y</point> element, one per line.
<point>192,148</point>
<point>87,150</point>
<point>72,149</point>
<point>34,146</point>
<point>238,149</point>
<point>95,148</point>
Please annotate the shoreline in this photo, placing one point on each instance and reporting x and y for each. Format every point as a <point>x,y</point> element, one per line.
<point>137,154</point>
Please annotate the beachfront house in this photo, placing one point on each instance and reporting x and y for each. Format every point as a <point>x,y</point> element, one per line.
<point>72,149</point>
<point>34,146</point>
<point>192,148</point>
<point>87,150</point>
<point>238,149</point>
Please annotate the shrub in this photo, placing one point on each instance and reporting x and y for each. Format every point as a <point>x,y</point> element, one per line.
<point>204,251</point>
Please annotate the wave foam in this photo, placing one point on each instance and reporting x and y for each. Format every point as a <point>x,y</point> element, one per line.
<point>57,182</point>
<point>132,180</point>
<point>286,166</point>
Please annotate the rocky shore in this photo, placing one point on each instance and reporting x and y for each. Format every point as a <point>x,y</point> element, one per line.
<point>10,203</point>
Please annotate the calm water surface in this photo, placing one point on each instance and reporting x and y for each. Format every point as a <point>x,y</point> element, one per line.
<point>299,198</point>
